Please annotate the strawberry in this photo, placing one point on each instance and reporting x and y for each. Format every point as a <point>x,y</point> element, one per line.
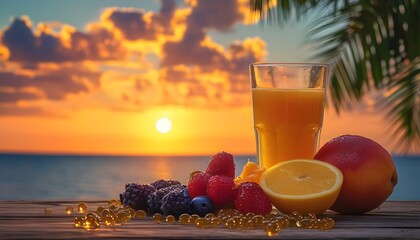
<point>222,164</point>
<point>221,190</point>
<point>250,197</point>
<point>197,185</point>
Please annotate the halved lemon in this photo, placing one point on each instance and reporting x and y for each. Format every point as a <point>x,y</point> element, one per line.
<point>302,185</point>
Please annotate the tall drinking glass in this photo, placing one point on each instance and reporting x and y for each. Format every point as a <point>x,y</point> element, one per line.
<point>288,109</point>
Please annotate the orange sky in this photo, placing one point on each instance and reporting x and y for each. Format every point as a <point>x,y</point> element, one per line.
<point>100,90</point>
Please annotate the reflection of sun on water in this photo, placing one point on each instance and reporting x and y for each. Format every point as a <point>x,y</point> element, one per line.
<point>163,125</point>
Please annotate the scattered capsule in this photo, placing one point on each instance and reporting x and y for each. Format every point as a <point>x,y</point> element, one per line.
<point>113,214</point>
<point>247,224</point>
<point>69,210</point>
<point>193,218</point>
<point>157,217</point>
<point>201,222</point>
<point>284,222</point>
<point>91,224</point>
<point>257,220</point>
<point>79,221</point>
<point>249,215</point>
<point>100,209</point>
<point>170,219</point>
<point>82,207</point>
<point>309,215</point>
<point>230,223</point>
<point>140,214</point>
<point>123,216</point>
<point>105,213</point>
<point>304,223</point>
<point>93,215</point>
<point>238,221</point>
<point>325,224</point>
<point>109,221</point>
<point>270,216</point>
<point>224,218</point>
<point>215,221</point>
<point>295,216</point>
<point>131,211</point>
<point>315,223</point>
<point>48,211</point>
<point>209,215</point>
<point>272,230</point>
<point>112,206</point>
<point>184,218</point>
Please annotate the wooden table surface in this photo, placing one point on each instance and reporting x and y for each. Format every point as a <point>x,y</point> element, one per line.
<point>26,220</point>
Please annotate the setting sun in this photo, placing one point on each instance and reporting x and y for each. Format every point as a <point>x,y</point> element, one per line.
<point>163,125</point>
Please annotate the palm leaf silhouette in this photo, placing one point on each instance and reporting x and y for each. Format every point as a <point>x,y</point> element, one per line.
<point>373,45</point>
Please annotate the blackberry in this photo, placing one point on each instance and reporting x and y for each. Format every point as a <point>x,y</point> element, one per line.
<point>176,202</point>
<point>154,201</point>
<point>135,195</point>
<point>161,183</point>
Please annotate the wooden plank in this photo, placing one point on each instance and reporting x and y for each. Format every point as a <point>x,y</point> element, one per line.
<point>26,220</point>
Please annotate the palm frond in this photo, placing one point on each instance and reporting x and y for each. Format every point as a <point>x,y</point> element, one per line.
<point>373,44</point>
<point>403,98</point>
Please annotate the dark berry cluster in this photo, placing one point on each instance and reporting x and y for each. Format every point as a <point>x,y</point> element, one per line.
<point>168,197</point>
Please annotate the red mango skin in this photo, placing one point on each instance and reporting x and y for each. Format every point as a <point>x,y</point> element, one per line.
<point>368,169</point>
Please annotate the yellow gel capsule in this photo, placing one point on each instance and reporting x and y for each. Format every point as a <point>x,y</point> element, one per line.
<point>82,207</point>
<point>69,210</point>
<point>140,214</point>
<point>170,219</point>
<point>184,218</point>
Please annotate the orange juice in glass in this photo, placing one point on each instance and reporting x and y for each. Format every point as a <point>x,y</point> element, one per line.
<point>288,108</point>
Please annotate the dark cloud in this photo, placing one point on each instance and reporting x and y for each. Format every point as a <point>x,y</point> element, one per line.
<point>54,84</point>
<point>219,15</point>
<point>133,25</point>
<point>166,13</point>
<point>12,97</point>
<point>205,15</point>
<point>19,39</point>
<point>26,46</point>
<point>189,51</point>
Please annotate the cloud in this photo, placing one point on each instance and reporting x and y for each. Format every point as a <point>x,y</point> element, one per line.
<point>50,83</point>
<point>135,24</point>
<point>135,59</point>
<point>12,97</point>
<point>219,15</point>
<point>45,45</point>
<point>194,69</point>
<point>196,48</point>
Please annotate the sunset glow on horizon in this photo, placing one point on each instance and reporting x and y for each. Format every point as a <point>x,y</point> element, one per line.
<point>103,80</point>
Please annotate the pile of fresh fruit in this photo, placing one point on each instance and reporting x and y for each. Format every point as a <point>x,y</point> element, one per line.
<point>206,192</point>
<point>353,174</point>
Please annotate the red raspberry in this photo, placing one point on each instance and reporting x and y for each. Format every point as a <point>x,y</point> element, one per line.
<point>222,164</point>
<point>250,197</point>
<point>221,190</point>
<point>197,186</point>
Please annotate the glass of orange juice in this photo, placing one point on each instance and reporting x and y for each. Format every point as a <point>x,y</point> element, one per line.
<point>288,108</point>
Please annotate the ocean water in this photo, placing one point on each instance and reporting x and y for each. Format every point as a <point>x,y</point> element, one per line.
<point>69,177</point>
